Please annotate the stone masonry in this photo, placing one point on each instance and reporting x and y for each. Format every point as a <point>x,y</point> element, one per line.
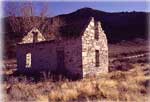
<point>80,56</point>
<point>90,45</point>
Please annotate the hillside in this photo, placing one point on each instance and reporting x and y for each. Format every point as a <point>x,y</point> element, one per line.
<point>117,26</point>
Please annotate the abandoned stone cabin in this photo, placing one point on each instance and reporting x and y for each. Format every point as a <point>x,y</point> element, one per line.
<point>84,54</point>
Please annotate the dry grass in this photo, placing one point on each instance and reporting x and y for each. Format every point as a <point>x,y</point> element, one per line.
<point>131,85</point>
<point>116,86</point>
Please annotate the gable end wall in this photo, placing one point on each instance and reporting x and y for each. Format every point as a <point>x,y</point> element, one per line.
<point>89,45</point>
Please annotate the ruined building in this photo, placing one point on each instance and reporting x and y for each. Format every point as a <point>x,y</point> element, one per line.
<point>83,52</point>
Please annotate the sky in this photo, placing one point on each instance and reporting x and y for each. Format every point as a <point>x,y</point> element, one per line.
<point>59,7</point>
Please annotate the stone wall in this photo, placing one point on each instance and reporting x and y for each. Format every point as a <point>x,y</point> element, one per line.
<point>30,36</point>
<point>73,55</point>
<point>89,45</point>
<point>44,56</point>
<point>41,56</point>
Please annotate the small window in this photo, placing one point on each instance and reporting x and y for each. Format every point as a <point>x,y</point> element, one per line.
<point>97,58</point>
<point>96,31</point>
<point>28,60</point>
<point>35,36</point>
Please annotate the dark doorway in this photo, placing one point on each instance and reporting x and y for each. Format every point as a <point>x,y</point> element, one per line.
<point>60,62</point>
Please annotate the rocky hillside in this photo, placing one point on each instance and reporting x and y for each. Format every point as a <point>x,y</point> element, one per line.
<point>118,26</point>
